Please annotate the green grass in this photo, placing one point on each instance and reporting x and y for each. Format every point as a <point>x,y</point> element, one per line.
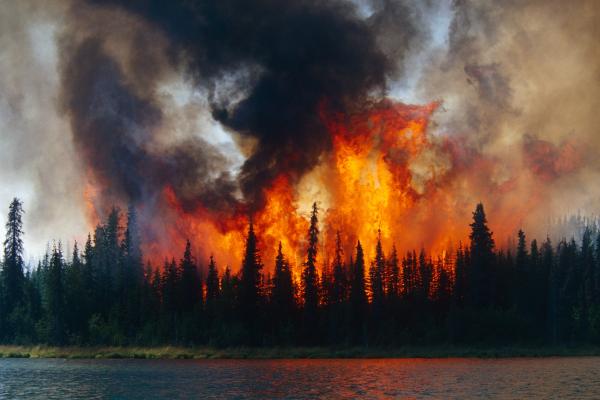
<point>169,352</point>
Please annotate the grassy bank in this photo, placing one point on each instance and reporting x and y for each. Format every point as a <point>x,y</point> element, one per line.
<point>169,352</point>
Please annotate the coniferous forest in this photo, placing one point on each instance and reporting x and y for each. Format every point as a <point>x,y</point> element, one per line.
<point>539,294</point>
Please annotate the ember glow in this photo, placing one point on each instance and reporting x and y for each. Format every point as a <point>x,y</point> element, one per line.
<point>362,186</point>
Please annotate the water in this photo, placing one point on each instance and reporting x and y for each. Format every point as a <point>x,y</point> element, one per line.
<point>559,378</point>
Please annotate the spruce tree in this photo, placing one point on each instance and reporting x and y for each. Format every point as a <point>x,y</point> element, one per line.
<point>588,266</point>
<point>425,275</point>
<point>131,275</point>
<point>282,297</point>
<point>283,289</point>
<point>443,289</point>
<point>12,268</point>
<point>358,298</point>
<point>376,274</point>
<point>190,288</point>
<point>522,280</point>
<point>539,289</point>
<point>55,300</point>
<point>460,276</point>
<point>393,275</point>
<point>170,288</point>
<point>250,291</point>
<point>75,297</point>
<point>482,258</point>
<point>132,244</point>
<point>339,284</point>
<point>551,291</point>
<point>310,279</point>
<point>569,293</point>
<point>212,284</point>
<point>228,298</point>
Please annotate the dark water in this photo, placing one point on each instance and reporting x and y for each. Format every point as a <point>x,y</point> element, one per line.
<point>559,378</point>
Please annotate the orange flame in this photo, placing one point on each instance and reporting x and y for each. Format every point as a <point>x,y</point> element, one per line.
<point>384,174</point>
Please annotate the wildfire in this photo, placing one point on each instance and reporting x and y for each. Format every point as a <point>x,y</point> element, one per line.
<point>371,181</point>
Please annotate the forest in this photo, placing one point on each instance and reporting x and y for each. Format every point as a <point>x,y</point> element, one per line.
<point>104,293</point>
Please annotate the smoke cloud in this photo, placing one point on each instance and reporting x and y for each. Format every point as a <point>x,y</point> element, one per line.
<point>285,58</point>
<point>517,82</point>
<point>208,103</point>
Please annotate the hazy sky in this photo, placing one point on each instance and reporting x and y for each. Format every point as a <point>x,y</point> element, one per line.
<point>505,73</point>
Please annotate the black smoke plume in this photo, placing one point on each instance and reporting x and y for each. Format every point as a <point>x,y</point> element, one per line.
<point>112,124</point>
<point>286,59</point>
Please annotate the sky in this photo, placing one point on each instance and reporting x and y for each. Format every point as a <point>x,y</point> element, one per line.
<point>508,76</point>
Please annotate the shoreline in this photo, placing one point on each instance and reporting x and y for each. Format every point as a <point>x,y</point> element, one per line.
<point>174,352</point>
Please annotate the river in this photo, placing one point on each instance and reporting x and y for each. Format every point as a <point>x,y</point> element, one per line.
<point>517,378</point>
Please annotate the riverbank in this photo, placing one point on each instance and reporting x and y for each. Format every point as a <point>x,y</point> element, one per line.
<point>169,352</point>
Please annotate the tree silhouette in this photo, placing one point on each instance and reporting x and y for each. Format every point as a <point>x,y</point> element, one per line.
<point>339,284</point>
<point>310,280</point>
<point>212,283</point>
<point>482,258</point>
<point>358,297</point>
<point>482,295</point>
<point>250,297</point>
<point>393,275</point>
<point>190,298</point>
<point>75,297</point>
<point>12,269</point>
<point>460,279</point>
<point>376,276</point>
<point>282,295</point>
<point>55,306</point>
<point>523,281</point>
<point>283,289</point>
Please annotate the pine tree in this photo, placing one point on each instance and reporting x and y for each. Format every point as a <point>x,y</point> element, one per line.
<point>75,296</point>
<point>551,291</point>
<point>569,280</point>
<point>443,290</point>
<point>55,306</point>
<point>376,274</point>
<point>358,297</point>
<point>112,249</point>
<point>228,295</point>
<point>460,276</point>
<point>130,277</point>
<point>393,275</point>
<point>250,291</point>
<point>212,284</point>
<point>588,268</point>
<point>339,284</point>
<point>522,283</point>
<point>586,292</point>
<point>407,276</point>
<point>310,279</point>
<point>425,275</point>
<point>283,289</point>
<point>132,244</point>
<point>190,293</point>
<point>12,269</point>
<point>169,288</point>
<point>282,296</point>
<point>539,288</point>
<point>149,299</point>
<point>482,258</point>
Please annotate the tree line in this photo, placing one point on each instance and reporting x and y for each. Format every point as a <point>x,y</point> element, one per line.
<point>540,294</point>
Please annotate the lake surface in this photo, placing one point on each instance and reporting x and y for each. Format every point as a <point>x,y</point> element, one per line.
<point>559,378</point>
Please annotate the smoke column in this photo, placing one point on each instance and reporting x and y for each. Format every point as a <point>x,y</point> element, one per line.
<point>198,113</point>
